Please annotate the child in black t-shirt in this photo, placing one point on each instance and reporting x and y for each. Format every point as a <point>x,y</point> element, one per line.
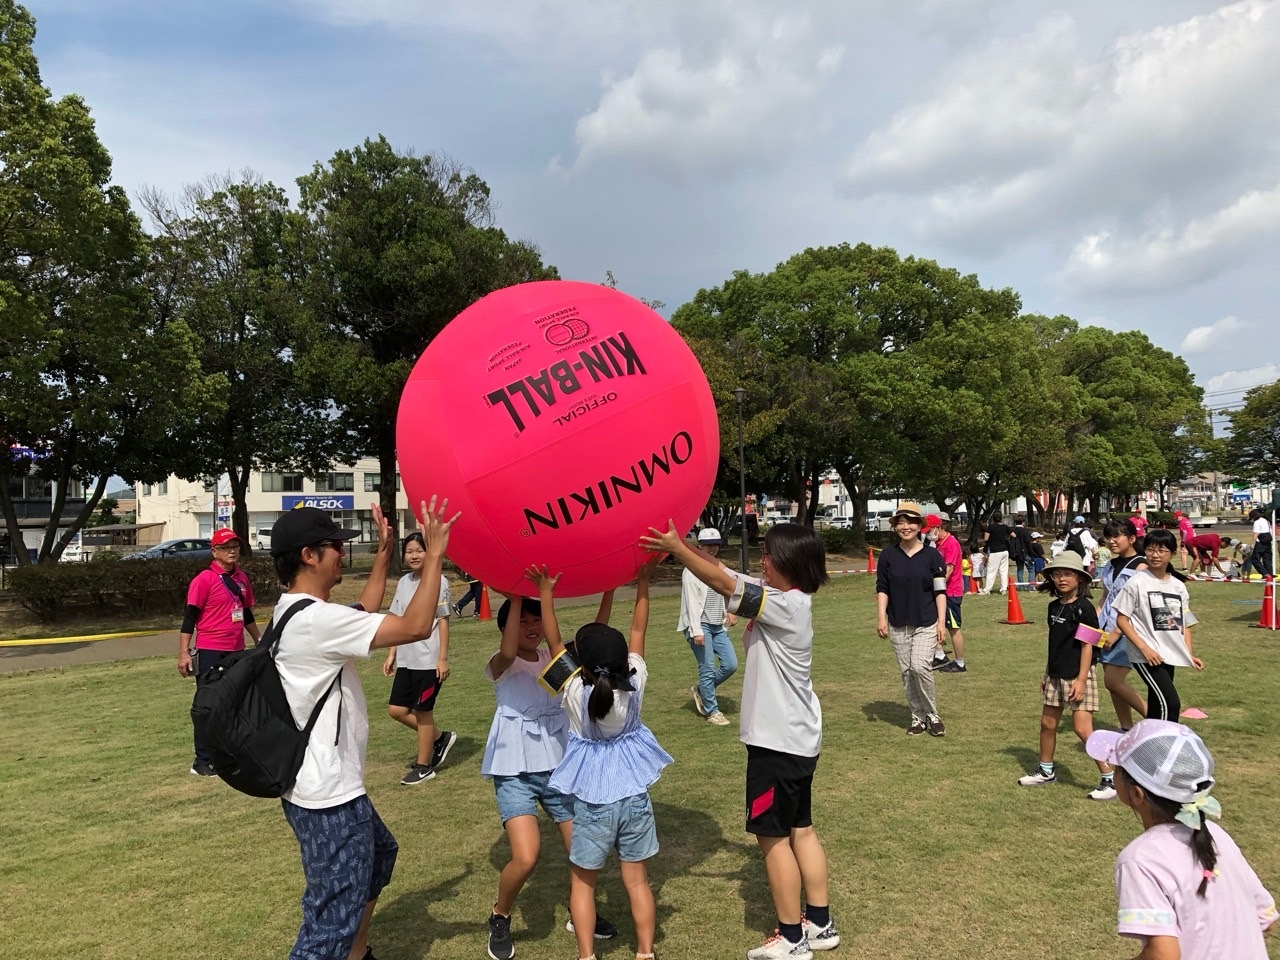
<point>1068,675</point>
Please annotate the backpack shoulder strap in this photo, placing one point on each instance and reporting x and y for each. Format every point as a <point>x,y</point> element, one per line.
<point>275,630</point>
<point>271,636</point>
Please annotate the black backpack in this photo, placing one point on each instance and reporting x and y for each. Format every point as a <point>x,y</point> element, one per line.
<point>1075,543</point>
<point>242,717</point>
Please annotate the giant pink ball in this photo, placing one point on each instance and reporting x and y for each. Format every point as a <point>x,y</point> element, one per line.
<point>563,419</point>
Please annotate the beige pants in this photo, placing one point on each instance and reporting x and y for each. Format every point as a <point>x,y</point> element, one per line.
<point>913,646</point>
<point>997,572</point>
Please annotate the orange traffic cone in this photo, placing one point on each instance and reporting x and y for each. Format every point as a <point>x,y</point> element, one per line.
<point>485,612</point>
<point>1267,620</point>
<point>1014,616</point>
<point>871,560</point>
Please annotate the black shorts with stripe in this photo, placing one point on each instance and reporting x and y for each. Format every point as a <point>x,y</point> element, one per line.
<point>414,689</point>
<point>779,792</point>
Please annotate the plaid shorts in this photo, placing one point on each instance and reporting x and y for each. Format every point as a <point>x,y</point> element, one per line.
<point>1057,690</point>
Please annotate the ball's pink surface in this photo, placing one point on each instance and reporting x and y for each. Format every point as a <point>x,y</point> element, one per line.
<point>563,419</point>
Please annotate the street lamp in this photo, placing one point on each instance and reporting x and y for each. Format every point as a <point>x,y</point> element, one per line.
<point>739,393</point>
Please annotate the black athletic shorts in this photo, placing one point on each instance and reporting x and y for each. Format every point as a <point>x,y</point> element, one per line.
<point>415,689</point>
<point>779,792</point>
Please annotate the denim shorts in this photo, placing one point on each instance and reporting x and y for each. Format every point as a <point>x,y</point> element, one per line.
<point>625,825</point>
<point>520,795</point>
<point>1117,655</point>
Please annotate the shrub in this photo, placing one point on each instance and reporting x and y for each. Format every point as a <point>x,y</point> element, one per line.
<point>142,586</point>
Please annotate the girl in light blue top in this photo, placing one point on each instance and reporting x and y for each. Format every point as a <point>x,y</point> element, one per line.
<point>610,762</point>
<point>1121,537</point>
<point>526,741</point>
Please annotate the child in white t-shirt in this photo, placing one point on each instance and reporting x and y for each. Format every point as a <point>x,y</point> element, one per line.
<point>781,723</point>
<point>1153,611</point>
<point>1184,888</point>
<point>420,670</point>
<point>610,762</point>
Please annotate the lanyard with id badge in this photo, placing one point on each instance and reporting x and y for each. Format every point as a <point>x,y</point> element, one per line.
<point>237,609</point>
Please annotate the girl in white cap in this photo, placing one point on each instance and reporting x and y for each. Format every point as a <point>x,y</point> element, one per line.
<point>1184,888</point>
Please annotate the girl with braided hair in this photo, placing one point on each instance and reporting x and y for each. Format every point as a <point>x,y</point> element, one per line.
<point>1184,888</point>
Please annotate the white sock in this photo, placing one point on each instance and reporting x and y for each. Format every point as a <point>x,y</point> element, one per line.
<point>960,662</point>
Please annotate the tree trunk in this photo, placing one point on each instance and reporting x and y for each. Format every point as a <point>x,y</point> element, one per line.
<point>17,547</point>
<point>239,476</point>
<point>387,491</point>
<point>815,493</point>
<point>90,505</point>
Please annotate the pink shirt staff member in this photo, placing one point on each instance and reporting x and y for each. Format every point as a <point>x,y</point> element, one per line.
<point>219,611</point>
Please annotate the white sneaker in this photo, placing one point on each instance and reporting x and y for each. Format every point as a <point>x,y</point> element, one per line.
<point>697,701</point>
<point>718,718</point>
<point>1103,791</point>
<point>779,946</point>
<point>1038,779</point>
<point>820,938</point>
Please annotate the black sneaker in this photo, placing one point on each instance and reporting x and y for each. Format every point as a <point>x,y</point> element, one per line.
<point>917,727</point>
<point>936,727</point>
<point>604,929</point>
<point>444,743</point>
<point>457,609</point>
<point>941,664</point>
<point>952,667</point>
<point>500,945</point>
<point>418,773</point>
<point>202,770</point>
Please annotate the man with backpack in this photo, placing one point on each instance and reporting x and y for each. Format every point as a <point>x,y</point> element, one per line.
<point>219,612</point>
<point>347,853</point>
<point>1081,541</point>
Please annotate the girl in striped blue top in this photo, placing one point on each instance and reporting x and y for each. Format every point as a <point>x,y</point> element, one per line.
<point>610,762</point>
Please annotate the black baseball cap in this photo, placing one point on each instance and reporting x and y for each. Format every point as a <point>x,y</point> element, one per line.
<point>305,527</point>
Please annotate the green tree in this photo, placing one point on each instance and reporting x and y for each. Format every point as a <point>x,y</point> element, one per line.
<point>1142,422</point>
<point>828,348</point>
<point>85,382</point>
<point>393,246</point>
<point>1252,452</point>
<point>221,265</point>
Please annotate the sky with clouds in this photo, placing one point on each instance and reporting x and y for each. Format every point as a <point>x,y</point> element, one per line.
<point>1113,162</point>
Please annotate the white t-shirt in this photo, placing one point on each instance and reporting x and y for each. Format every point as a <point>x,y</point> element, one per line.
<point>318,644</point>
<point>421,654</point>
<point>780,711</point>
<point>1261,525</point>
<point>612,722</point>
<point>1159,610</point>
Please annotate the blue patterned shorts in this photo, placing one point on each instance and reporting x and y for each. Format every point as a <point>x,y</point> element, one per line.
<point>348,855</point>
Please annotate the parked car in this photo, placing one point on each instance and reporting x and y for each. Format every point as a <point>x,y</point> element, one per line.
<point>840,523</point>
<point>175,550</point>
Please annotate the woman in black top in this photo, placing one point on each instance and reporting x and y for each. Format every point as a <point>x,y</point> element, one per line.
<point>911,596</point>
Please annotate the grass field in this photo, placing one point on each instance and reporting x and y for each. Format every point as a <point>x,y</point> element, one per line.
<point>111,849</point>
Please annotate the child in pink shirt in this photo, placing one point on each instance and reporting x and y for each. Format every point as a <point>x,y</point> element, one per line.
<point>1184,888</point>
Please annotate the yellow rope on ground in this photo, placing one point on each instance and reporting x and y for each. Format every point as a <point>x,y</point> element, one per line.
<point>86,639</point>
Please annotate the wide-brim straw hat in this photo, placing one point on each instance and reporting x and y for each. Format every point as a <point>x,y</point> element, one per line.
<point>908,508</point>
<point>1067,560</point>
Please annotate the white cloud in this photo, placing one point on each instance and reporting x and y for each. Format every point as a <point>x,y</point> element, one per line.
<point>1137,264</point>
<point>1212,337</point>
<point>1241,380</point>
<point>684,111</point>
<point>1157,155</point>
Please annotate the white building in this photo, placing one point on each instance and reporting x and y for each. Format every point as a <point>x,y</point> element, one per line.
<point>195,509</point>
